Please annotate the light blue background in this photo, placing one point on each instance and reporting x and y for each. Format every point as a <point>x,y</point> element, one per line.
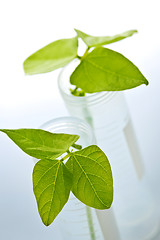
<point>29,101</point>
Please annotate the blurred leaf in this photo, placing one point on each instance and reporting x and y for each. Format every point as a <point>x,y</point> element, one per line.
<point>55,55</point>
<point>92,41</point>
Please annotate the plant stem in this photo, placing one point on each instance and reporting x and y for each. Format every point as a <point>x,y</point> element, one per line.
<point>79,57</point>
<point>74,90</point>
<point>90,223</point>
<point>77,146</point>
<point>67,156</point>
<point>86,52</point>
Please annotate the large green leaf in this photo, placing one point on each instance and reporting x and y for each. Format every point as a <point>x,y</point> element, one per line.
<point>92,177</point>
<point>92,41</point>
<point>41,144</point>
<point>55,55</point>
<point>106,70</point>
<point>51,186</point>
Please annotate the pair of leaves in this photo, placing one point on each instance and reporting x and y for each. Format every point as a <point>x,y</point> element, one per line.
<point>87,172</point>
<point>100,70</point>
<point>57,54</point>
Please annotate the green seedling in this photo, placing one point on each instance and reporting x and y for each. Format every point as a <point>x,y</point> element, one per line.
<point>63,166</point>
<point>100,68</point>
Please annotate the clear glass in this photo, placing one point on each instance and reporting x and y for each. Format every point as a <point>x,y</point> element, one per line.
<point>77,221</point>
<point>134,206</point>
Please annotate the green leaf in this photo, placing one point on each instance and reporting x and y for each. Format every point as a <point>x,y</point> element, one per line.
<point>92,181</point>
<point>55,55</point>
<point>92,41</point>
<point>51,185</point>
<point>106,70</point>
<point>41,144</point>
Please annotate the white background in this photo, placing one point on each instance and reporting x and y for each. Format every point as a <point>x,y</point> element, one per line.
<point>29,101</point>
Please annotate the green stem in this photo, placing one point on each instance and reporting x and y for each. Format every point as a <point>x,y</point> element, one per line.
<point>74,91</point>
<point>86,52</point>
<point>79,57</point>
<point>77,146</point>
<point>67,156</point>
<point>90,223</point>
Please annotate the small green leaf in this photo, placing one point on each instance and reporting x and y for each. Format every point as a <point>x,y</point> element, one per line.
<point>41,144</point>
<point>92,41</point>
<point>55,55</point>
<point>51,185</point>
<point>92,177</point>
<point>106,70</point>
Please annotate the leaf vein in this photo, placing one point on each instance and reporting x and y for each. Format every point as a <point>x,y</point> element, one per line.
<point>44,174</point>
<point>92,160</point>
<point>38,199</point>
<point>54,190</point>
<point>40,210</point>
<point>89,182</point>
<point>87,75</point>
<point>110,72</point>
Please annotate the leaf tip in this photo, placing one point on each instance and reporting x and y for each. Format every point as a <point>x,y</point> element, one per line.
<point>135,31</point>
<point>46,223</point>
<point>77,32</point>
<point>146,82</point>
<point>24,67</point>
<point>2,130</point>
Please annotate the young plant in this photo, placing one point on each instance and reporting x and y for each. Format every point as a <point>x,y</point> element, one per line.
<point>100,69</point>
<point>86,172</point>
